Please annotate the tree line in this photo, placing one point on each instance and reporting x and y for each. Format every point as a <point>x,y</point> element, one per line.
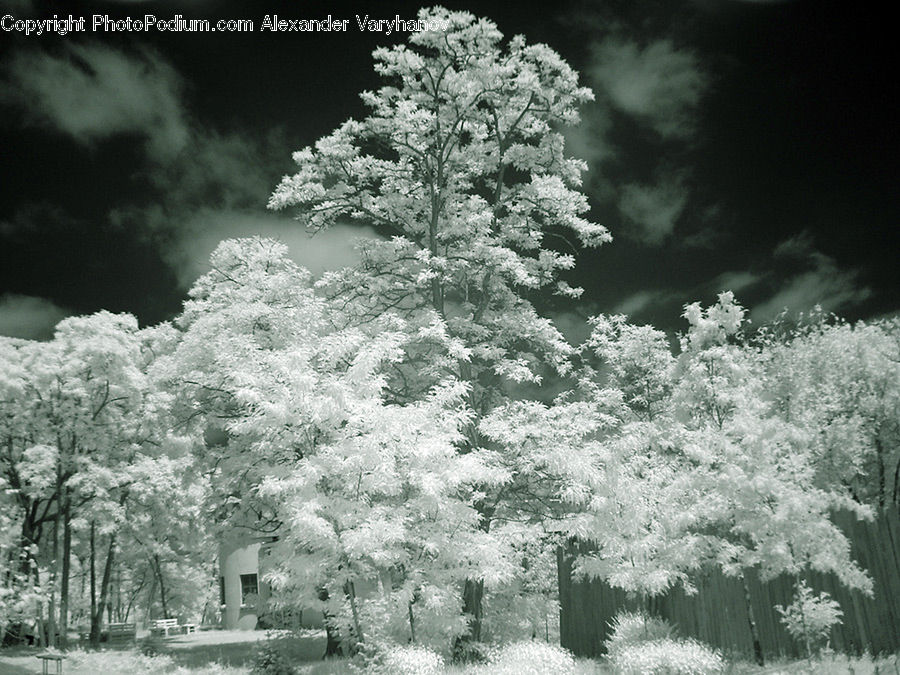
<point>392,421</point>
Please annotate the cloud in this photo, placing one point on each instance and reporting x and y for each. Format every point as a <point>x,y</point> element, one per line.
<point>589,140</point>
<point>197,237</point>
<point>29,317</point>
<point>639,133</point>
<point>92,93</point>
<point>641,301</point>
<point>572,325</point>
<point>654,209</point>
<point>822,283</point>
<point>798,247</point>
<point>657,84</point>
<point>203,185</point>
<point>735,281</point>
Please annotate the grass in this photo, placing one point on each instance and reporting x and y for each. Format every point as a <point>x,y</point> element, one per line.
<point>206,653</point>
<point>831,664</point>
<point>231,653</point>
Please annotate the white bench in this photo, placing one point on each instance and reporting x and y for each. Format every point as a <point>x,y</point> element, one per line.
<point>163,626</point>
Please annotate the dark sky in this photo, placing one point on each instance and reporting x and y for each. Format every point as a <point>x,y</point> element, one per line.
<point>733,144</point>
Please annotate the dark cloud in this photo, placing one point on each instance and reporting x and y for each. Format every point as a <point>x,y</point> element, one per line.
<point>203,229</point>
<point>658,84</point>
<point>639,133</point>
<point>29,317</point>
<point>654,210</point>
<point>93,93</point>
<point>821,282</point>
<point>203,185</point>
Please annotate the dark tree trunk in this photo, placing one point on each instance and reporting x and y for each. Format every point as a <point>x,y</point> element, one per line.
<point>332,636</point>
<point>332,639</point>
<point>97,611</point>
<point>134,596</point>
<point>66,565</point>
<point>473,594</point>
<point>95,629</point>
<point>473,599</point>
<point>358,637</point>
<point>751,619</point>
<point>14,633</point>
<point>162,587</point>
<point>54,583</point>
<point>151,594</point>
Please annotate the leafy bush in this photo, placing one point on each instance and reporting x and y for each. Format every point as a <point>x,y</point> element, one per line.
<point>118,662</point>
<point>383,658</point>
<point>472,652</point>
<point>531,658</point>
<point>412,660</point>
<point>810,616</point>
<point>269,660</point>
<point>634,628</point>
<point>151,645</point>
<point>667,657</point>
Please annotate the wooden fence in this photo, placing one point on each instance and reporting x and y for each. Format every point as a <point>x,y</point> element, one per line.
<point>717,614</point>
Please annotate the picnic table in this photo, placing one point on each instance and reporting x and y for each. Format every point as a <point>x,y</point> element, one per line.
<point>170,626</point>
<point>163,626</point>
<point>122,631</point>
<point>47,657</point>
<point>114,631</point>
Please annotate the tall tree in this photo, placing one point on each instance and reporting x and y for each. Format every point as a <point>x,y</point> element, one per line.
<point>842,383</point>
<point>79,409</point>
<point>357,489</point>
<point>461,163</point>
<point>763,505</point>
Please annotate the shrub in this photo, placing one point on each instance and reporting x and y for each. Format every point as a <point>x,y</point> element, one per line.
<point>269,660</point>
<point>151,645</point>
<point>634,628</point>
<point>118,662</point>
<point>472,652</point>
<point>531,658</point>
<point>412,660</point>
<point>667,657</point>
<point>384,658</point>
<point>810,616</point>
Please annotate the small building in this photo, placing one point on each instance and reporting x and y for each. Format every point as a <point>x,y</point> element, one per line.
<point>242,593</point>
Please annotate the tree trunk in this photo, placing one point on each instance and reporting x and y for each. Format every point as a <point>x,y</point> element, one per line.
<point>151,595</point>
<point>350,590</point>
<point>162,587</point>
<point>118,594</point>
<point>95,629</point>
<point>473,594</point>
<point>40,635</point>
<point>66,564</point>
<point>412,624</point>
<point>751,619</point>
<point>134,596</point>
<point>14,633</point>
<point>54,582</point>
<point>97,611</point>
<point>332,637</point>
